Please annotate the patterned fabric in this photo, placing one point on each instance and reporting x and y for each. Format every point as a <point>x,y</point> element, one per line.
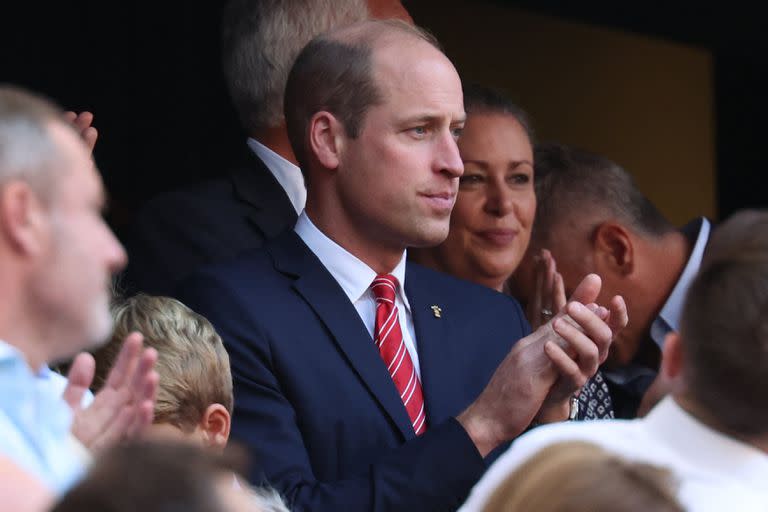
<point>389,339</point>
<point>595,400</point>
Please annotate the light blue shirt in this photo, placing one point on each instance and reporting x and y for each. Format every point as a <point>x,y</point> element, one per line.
<point>35,424</point>
<point>355,278</point>
<point>669,317</point>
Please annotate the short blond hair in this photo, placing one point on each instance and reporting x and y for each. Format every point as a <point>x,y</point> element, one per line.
<point>577,476</point>
<point>192,363</point>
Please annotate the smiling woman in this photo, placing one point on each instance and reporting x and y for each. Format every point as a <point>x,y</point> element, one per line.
<point>491,222</point>
<point>492,219</point>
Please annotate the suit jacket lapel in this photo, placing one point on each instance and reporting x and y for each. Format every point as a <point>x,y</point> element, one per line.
<point>433,337</point>
<point>271,211</point>
<point>324,295</point>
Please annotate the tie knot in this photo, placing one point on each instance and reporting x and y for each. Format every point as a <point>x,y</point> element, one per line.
<point>384,287</point>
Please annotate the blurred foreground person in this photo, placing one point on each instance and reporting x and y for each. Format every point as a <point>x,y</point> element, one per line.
<point>161,477</point>
<point>57,256</point>
<point>581,477</point>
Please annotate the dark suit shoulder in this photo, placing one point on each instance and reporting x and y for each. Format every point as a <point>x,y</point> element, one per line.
<point>474,303</point>
<point>180,231</point>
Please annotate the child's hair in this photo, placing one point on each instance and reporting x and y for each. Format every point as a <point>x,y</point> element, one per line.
<point>192,363</point>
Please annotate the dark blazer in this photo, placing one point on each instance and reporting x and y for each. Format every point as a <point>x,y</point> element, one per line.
<point>178,232</point>
<point>314,402</point>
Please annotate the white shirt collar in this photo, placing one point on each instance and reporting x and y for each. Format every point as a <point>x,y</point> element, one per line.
<point>354,276</point>
<point>703,446</point>
<point>669,317</point>
<point>286,173</point>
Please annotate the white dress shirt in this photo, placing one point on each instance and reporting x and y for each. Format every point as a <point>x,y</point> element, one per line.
<point>286,173</point>
<point>355,278</point>
<point>715,472</point>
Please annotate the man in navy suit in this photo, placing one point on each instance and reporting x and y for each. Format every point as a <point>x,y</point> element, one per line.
<point>373,112</point>
<point>262,195</point>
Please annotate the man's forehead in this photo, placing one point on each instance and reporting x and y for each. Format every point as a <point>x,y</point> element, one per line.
<point>417,69</point>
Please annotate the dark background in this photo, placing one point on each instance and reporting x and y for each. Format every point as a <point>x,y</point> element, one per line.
<point>150,73</point>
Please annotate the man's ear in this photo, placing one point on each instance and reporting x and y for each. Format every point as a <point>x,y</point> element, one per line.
<point>215,426</point>
<point>22,218</point>
<point>614,250</point>
<point>326,139</point>
<point>672,356</point>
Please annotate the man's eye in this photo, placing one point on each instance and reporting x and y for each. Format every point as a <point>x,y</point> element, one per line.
<point>419,131</point>
<point>456,132</point>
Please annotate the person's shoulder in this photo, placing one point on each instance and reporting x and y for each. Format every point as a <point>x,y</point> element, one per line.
<point>190,198</point>
<point>454,286</point>
<point>460,294</point>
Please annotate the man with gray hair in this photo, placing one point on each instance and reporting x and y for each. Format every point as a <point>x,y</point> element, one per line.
<point>262,196</point>
<point>621,236</point>
<point>56,259</point>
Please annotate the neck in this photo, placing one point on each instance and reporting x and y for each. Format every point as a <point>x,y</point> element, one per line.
<point>652,288</point>
<point>26,341</point>
<point>276,139</point>
<point>381,258</point>
<point>20,325</point>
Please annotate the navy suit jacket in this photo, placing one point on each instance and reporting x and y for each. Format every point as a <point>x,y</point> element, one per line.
<point>314,402</point>
<point>178,232</point>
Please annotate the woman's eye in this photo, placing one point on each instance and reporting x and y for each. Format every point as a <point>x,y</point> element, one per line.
<point>469,179</point>
<point>519,179</point>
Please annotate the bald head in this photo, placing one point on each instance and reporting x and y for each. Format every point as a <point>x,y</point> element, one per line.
<point>334,73</point>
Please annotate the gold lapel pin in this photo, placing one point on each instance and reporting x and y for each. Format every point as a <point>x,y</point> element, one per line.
<point>436,311</point>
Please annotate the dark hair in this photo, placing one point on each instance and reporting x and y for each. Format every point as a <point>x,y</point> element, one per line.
<point>479,99</point>
<point>570,179</point>
<point>334,73</point>
<point>724,326</point>
<point>150,477</point>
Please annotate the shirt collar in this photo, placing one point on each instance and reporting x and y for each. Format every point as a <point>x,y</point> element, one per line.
<point>669,317</point>
<point>683,433</point>
<point>286,173</point>
<point>353,275</point>
<point>20,385</point>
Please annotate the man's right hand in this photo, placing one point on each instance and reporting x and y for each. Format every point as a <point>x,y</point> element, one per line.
<point>564,352</point>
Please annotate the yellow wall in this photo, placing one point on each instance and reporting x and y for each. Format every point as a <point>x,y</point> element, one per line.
<point>645,103</point>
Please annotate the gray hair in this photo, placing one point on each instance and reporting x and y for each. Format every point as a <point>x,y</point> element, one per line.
<point>260,40</point>
<point>27,149</point>
<point>572,180</point>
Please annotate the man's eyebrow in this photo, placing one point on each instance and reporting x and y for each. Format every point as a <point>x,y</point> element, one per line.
<point>433,118</point>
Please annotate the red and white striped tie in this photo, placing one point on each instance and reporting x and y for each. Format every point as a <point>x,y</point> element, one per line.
<point>389,339</point>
